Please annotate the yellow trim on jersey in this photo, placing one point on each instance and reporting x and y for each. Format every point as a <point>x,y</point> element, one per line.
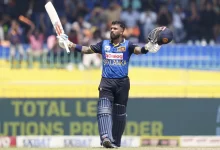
<point>118,43</point>
<point>115,44</point>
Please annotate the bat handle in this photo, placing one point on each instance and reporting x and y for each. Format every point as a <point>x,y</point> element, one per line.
<point>67,48</point>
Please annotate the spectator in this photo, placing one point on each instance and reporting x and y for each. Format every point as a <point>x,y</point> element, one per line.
<point>189,19</point>
<point>81,9</point>
<point>193,22</point>
<point>21,9</point>
<point>70,10</point>
<point>178,24</point>
<point>81,26</point>
<point>113,12</point>
<point>36,37</point>
<point>148,20</point>
<point>170,5</point>
<point>37,13</point>
<point>5,23</point>
<point>55,54</point>
<point>164,17</point>
<point>36,50</point>
<point>73,37</point>
<point>216,4</point>
<point>15,38</point>
<point>131,18</point>
<point>207,21</point>
<point>136,4</point>
<point>52,43</point>
<point>106,31</point>
<point>96,17</point>
<point>66,25</point>
<point>93,59</point>
<point>2,37</point>
<point>184,4</point>
<point>200,4</point>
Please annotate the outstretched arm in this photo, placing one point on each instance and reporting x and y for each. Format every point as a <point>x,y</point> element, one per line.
<point>83,49</point>
<point>137,50</point>
<point>140,50</point>
<point>63,38</point>
<point>156,38</point>
<point>149,47</point>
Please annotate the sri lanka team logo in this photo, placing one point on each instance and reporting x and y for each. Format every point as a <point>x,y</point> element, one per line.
<point>107,48</point>
<point>121,49</point>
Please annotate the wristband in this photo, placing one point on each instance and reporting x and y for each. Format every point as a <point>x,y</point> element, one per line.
<point>143,50</point>
<point>78,48</point>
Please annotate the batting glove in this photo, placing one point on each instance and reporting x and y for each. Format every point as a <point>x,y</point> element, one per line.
<point>151,47</point>
<point>63,38</point>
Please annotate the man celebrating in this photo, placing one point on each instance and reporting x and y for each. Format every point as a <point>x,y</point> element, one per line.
<point>114,86</point>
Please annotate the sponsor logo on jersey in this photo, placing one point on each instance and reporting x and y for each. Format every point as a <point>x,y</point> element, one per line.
<point>107,48</point>
<point>116,56</point>
<point>114,62</point>
<point>121,49</point>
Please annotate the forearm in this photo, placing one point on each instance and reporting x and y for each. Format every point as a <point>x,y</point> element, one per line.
<point>149,47</point>
<point>140,50</point>
<point>82,49</point>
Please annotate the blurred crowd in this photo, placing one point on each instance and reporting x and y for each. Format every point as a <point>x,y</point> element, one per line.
<point>88,21</point>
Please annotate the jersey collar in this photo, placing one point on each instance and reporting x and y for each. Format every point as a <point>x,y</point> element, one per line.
<point>115,45</point>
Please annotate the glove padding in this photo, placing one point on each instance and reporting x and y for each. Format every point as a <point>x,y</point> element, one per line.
<point>154,34</point>
<point>63,38</point>
<point>152,47</point>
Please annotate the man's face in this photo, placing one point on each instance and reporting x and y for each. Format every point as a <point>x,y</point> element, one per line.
<point>116,31</point>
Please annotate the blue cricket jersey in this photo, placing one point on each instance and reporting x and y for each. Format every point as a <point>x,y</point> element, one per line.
<point>115,58</point>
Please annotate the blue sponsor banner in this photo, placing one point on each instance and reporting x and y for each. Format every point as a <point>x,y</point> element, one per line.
<point>169,56</point>
<point>181,56</point>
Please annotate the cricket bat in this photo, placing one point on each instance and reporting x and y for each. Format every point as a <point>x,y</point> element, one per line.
<point>55,21</point>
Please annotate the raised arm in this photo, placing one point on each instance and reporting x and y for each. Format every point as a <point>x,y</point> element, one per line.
<point>149,47</point>
<point>156,38</point>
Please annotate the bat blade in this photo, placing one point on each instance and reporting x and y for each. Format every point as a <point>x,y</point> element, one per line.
<point>55,21</point>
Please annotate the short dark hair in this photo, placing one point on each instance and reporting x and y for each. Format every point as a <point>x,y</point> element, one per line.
<point>121,23</point>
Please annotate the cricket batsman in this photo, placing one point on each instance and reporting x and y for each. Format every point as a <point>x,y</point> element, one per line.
<point>115,84</point>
